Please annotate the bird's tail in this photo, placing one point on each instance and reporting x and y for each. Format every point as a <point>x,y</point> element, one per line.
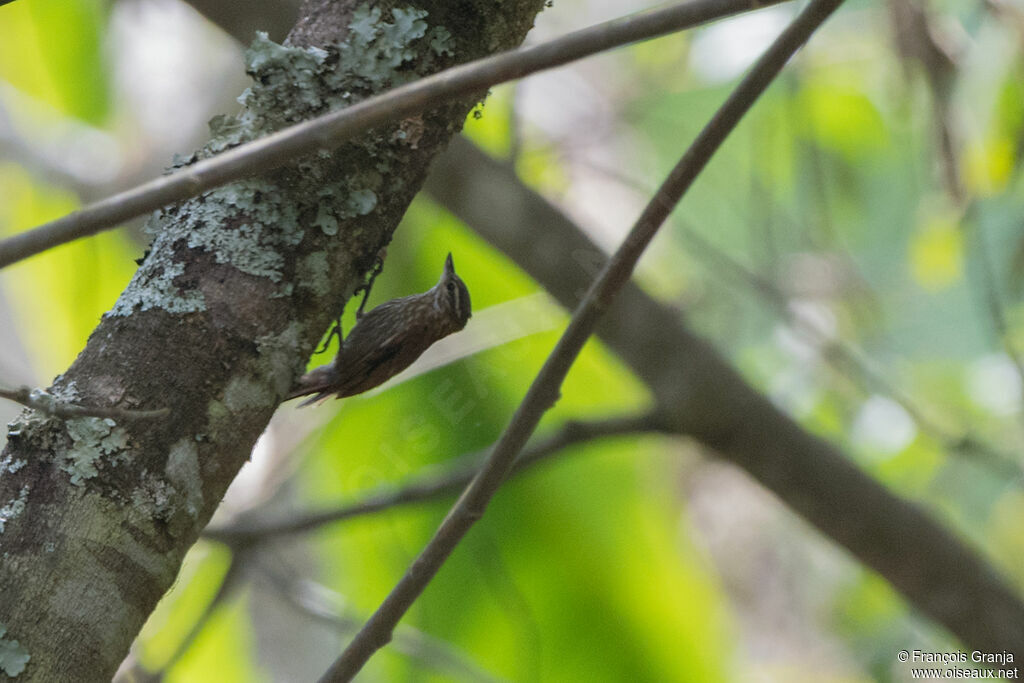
<point>319,381</point>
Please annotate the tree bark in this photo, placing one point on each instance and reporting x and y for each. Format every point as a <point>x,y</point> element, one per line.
<point>239,285</point>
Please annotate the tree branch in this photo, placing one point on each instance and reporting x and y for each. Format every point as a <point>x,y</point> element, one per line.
<point>37,399</point>
<point>545,388</point>
<point>330,130</point>
<point>430,487</point>
<point>703,396</point>
<point>323,605</point>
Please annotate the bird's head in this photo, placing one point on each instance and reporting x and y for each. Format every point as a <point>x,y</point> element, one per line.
<point>451,296</point>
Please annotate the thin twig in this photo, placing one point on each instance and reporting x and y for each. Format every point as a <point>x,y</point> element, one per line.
<point>324,605</point>
<point>330,130</point>
<point>546,386</point>
<point>46,403</point>
<point>433,486</point>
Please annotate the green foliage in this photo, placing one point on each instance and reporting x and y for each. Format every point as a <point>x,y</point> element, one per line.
<point>53,51</point>
<point>839,236</point>
<point>57,301</point>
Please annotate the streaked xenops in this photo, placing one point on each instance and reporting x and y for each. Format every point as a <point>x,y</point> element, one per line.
<point>389,338</point>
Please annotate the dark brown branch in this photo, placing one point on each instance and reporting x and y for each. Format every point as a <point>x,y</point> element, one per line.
<point>433,486</point>
<point>330,130</point>
<point>545,388</point>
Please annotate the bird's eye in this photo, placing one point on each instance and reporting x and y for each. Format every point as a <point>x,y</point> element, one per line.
<point>451,286</point>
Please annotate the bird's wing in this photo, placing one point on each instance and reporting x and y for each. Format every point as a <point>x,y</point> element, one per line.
<point>357,372</point>
<point>368,363</point>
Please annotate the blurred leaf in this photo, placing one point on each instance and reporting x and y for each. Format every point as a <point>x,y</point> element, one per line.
<point>1006,534</point>
<point>1009,106</point>
<point>490,125</point>
<point>937,253</point>
<point>912,469</point>
<point>872,616</point>
<point>52,50</point>
<point>223,652</point>
<point>58,297</point>
<point>988,164</point>
<point>542,167</point>
<point>843,118</point>
<point>199,579</point>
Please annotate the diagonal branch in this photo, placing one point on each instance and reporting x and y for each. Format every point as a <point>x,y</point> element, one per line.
<point>546,386</point>
<point>321,604</point>
<point>704,397</point>
<point>330,130</point>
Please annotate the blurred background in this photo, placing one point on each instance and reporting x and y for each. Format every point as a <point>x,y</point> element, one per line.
<point>856,250</point>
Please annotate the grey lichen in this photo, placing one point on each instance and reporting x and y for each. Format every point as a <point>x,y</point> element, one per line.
<point>92,438</point>
<point>355,203</point>
<point>361,202</point>
<point>313,273</point>
<point>26,422</point>
<point>42,400</point>
<point>153,498</point>
<point>281,353</point>
<point>13,657</point>
<point>291,84</point>
<point>65,392</point>
<point>251,224</point>
<point>217,415</point>
<point>325,220</point>
<point>153,286</point>
<point>244,393</point>
<point>182,471</point>
<point>269,225</point>
<point>377,49</point>
<point>10,464</point>
<point>13,509</point>
<point>441,41</point>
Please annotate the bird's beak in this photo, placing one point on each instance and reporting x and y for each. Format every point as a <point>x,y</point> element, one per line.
<point>449,267</point>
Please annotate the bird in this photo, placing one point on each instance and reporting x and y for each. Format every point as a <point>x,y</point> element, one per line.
<point>388,339</point>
